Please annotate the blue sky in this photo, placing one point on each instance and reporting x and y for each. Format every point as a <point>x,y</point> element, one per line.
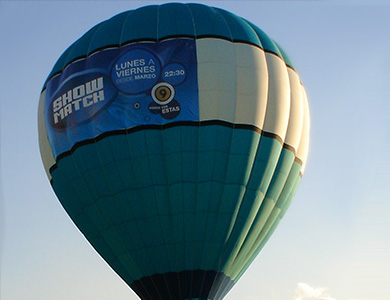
<point>334,242</point>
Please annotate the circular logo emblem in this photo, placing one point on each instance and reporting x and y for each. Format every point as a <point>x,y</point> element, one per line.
<point>163,93</point>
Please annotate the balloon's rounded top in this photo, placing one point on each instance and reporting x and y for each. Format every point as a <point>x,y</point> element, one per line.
<point>159,22</point>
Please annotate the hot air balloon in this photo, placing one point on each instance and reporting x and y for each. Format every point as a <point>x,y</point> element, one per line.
<point>175,137</point>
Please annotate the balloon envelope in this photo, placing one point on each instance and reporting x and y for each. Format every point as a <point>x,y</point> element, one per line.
<point>175,137</point>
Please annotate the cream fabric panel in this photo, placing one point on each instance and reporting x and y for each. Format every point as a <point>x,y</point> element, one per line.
<point>252,85</point>
<point>46,153</point>
<point>303,148</point>
<point>241,84</point>
<point>295,123</point>
<point>233,82</point>
<point>278,104</point>
<point>216,79</point>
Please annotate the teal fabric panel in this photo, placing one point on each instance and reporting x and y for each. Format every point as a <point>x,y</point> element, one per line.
<point>64,190</point>
<point>83,212</point>
<point>290,187</point>
<point>80,48</point>
<point>120,148</point>
<point>69,173</point>
<point>214,146</point>
<point>208,22</point>
<point>247,209</point>
<point>168,20</point>
<point>281,174</point>
<point>105,251</point>
<point>108,33</point>
<point>239,160</point>
<point>267,43</point>
<point>86,159</point>
<point>282,205</point>
<point>264,213</point>
<point>265,164</point>
<point>168,200</point>
<point>240,30</point>
<point>222,145</point>
<point>285,57</point>
<point>140,24</point>
<point>242,155</point>
<point>206,154</point>
<point>175,20</point>
<point>162,156</point>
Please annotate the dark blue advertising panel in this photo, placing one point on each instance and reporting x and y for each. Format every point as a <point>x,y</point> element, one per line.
<point>139,84</point>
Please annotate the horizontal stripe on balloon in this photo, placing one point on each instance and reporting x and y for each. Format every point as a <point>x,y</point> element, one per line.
<point>170,125</point>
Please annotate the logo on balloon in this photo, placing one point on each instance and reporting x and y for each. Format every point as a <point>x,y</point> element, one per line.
<point>163,94</point>
<point>137,84</point>
<point>79,99</point>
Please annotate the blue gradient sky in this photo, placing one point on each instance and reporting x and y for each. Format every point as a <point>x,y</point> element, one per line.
<point>334,242</point>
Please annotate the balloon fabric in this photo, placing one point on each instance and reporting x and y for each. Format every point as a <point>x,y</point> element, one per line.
<point>175,137</point>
